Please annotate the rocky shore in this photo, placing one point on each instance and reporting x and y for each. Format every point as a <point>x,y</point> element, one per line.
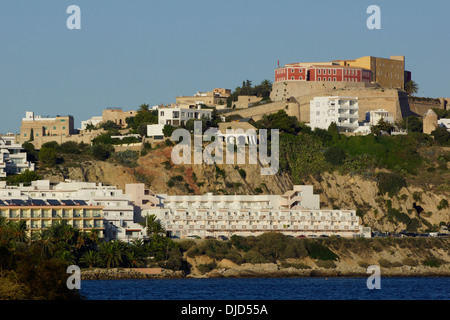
<point>124,273</point>
<point>265,270</point>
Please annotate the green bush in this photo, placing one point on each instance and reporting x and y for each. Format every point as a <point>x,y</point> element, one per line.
<point>390,183</point>
<point>127,158</point>
<point>242,173</point>
<point>384,263</point>
<point>410,262</point>
<point>207,267</point>
<point>254,257</point>
<point>335,155</point>
<point>432,262</point>
<point>443,204</point>
<point>327,264</point>
<point>319,251</point>
<point>101,151</point>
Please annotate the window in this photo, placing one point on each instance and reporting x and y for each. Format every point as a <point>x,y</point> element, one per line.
<point>300,78</point>
<point>319,79</point>
<point>329,79</point>
<point>64,128</point>
<point>292,78</point>
<point>320,71</point>
<point>334,79</point>
<point>334,71</point>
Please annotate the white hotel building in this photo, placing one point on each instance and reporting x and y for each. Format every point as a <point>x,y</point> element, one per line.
<point>119,216</point>
<point>12,159</point>
<point>295,213</point>
<point>341,110</point>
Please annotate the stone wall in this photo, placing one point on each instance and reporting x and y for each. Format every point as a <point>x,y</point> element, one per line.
<point>83,136</point>
<point>257,112</point>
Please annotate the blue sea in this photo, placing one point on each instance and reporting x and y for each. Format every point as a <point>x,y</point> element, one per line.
<point>267,289</point>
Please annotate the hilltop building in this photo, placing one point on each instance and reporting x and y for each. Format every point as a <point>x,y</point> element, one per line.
<point>388,73</point>
<point>12,159</point>
<point>216,98</point>
<point>341,110</point>
<point>117,116</point>
<point>35,126</point>
<point>178,115</point>
<point>96,120</point>
<point>374,116</point>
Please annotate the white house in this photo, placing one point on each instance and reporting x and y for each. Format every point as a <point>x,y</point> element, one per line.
<point>374,116</point>
<point>178,115</point>
<point>155,131</point>
<point>12,160</point>
<point>341,110</point>
<point>444,123</point>
<point>93,121</point>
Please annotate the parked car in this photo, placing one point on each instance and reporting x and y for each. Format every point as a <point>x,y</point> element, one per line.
<point>193,237</point>
<point>174,237</point>
<point>210,237</point>
<point>224,238</point>
<point>301,236</point>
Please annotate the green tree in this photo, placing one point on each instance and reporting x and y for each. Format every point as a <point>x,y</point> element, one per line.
<point>91,258</point>
<point>101,151</point>
<point>167,130</point>
<point>441,135</point>
<point>111,253</point>
<point>411,87</point>
<point>153,226</point>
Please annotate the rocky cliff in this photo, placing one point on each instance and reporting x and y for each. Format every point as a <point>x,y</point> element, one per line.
<point>417,203</point>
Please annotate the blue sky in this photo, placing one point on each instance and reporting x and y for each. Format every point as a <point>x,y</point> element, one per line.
<point>133,52</point>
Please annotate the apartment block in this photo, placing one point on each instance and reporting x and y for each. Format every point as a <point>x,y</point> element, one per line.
<point>12,159</point>
<point>118,212</point>
<point>341,110</point>
<point>178,115</point>
<point>295,213</point>
<point>34,126</point>
<point>41,214</point>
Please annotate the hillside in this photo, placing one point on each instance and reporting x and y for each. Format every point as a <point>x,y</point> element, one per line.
<point>337,189</point>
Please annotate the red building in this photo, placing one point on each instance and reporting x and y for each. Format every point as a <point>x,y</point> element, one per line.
<point>320,72</point>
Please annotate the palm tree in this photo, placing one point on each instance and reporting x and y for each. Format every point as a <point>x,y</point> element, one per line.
<point>411,87</point>
<point>66,256</point>
<point>19,230</point>
<point>111,253</point>
<point>91,258</point>
<point>153,226</point>
<point>43,247</point>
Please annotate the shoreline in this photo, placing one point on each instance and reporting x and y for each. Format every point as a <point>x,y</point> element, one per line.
<point>128,274</point>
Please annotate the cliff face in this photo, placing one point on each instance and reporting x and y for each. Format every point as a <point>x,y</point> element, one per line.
<point>336,190</point>
<point>394,257</point>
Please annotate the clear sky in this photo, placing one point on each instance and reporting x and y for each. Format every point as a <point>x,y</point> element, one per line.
<point>145,51</point>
